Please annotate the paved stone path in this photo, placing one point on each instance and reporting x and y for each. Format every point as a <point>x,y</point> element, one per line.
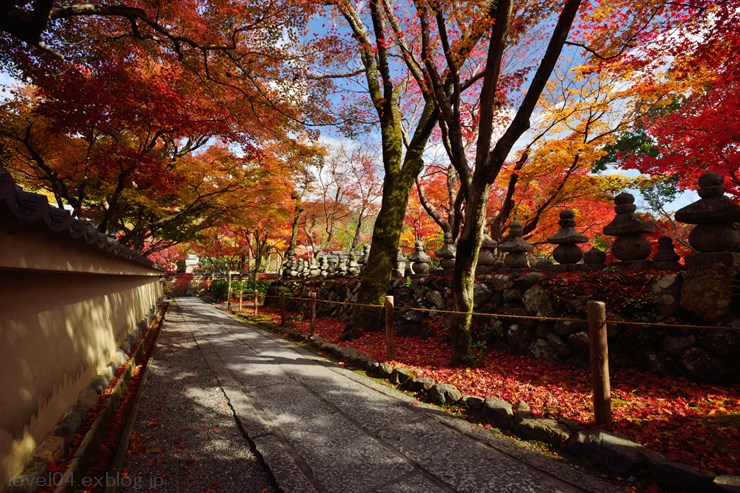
<point>322,428</point>
<point>185,437</point>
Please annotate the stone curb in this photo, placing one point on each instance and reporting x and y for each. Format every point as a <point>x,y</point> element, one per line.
<point>123,444</point>
<point>37,475</point>
<point>85,453</point>
<point>618,454</point>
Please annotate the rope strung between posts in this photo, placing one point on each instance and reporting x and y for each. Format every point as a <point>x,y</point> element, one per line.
<point>524,317</point>
<point>327,301</point>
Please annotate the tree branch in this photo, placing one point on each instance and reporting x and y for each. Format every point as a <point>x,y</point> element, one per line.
<point>520,123</point>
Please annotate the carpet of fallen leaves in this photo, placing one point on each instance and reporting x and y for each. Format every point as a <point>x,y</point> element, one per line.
<point>687,422</point>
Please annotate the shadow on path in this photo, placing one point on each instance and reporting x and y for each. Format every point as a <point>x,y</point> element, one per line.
<point>185,437</point>
<point>318,427</point>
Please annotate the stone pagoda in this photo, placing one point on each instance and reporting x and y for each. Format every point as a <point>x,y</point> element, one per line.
<point>567,251</point>
<point>486,255</point>
<point>630,246</point>
<point>516,247</point>
<point>716,235</point>
<point>446,254</point>
<point>421,263</point>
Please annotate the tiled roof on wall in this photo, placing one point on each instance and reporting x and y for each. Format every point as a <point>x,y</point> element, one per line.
<point>34,208</point>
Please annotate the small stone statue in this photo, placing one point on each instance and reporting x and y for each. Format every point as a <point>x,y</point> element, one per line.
<point>517,248</point>
<point>630,245</point>
<point>666,257</point>
<point>567,251</point>
<point>543,264</point>
<point>365,256</point>
<point>323,266</point>
<point>333,265</point>
<point>288,267</point>
<point>420,262</point>
<point>313,267</point>
<point>400,270</point>
<point>594,258</point>
<point>446,254</point>
<point>342,267</point>
<point>353,268</point>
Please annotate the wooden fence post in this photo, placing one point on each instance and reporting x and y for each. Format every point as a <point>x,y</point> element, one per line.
<point>241,299</point>
<point>256,302</point>
<point>228,295</point>
<point>390,341</point>
<point>282,309</point>
<point>313,313</point>
<point>599,356</point>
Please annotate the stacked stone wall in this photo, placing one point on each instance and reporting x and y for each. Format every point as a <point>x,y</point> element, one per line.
<point>542,314</point>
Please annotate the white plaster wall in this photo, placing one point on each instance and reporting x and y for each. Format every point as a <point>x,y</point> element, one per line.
<point>65,308</point>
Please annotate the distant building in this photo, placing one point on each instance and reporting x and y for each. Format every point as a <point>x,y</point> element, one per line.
<point>191,263</point>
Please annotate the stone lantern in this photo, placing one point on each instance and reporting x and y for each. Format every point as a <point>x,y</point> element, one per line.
<point>420,262</point>
<point>567,251</point>
<point>630,245</point>
<point>516,247</point>
<point>716,235</point>
<point>446,254</point>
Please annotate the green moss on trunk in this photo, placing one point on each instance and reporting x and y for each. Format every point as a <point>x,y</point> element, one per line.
<point>463,282</point>
<point>397,183</point>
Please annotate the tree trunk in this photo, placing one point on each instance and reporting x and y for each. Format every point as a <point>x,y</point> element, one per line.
<point>400,170</point>
<point>463,280</point>
<point>376,277</point>
<point>358,230</point>
<point>259,254</point>
<point>294,231</point>
<point>397,184</point>
<point>489,162</point>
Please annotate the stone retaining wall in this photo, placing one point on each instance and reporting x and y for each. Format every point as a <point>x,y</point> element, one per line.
<point>707,296</point>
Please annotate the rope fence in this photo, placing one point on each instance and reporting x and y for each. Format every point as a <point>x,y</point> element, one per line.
<point>515,317</point>
<point>595,320</point>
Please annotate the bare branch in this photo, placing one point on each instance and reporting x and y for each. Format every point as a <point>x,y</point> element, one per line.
<point>334,76</point>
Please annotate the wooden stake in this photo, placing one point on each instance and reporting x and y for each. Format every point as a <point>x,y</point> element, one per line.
<point>313,314</point>
<point>390,341</point>
<point>256,302</point>
<point>228,295</point>
<point>241,299</point>
<point>599,356</point>
<point>282,309</point>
